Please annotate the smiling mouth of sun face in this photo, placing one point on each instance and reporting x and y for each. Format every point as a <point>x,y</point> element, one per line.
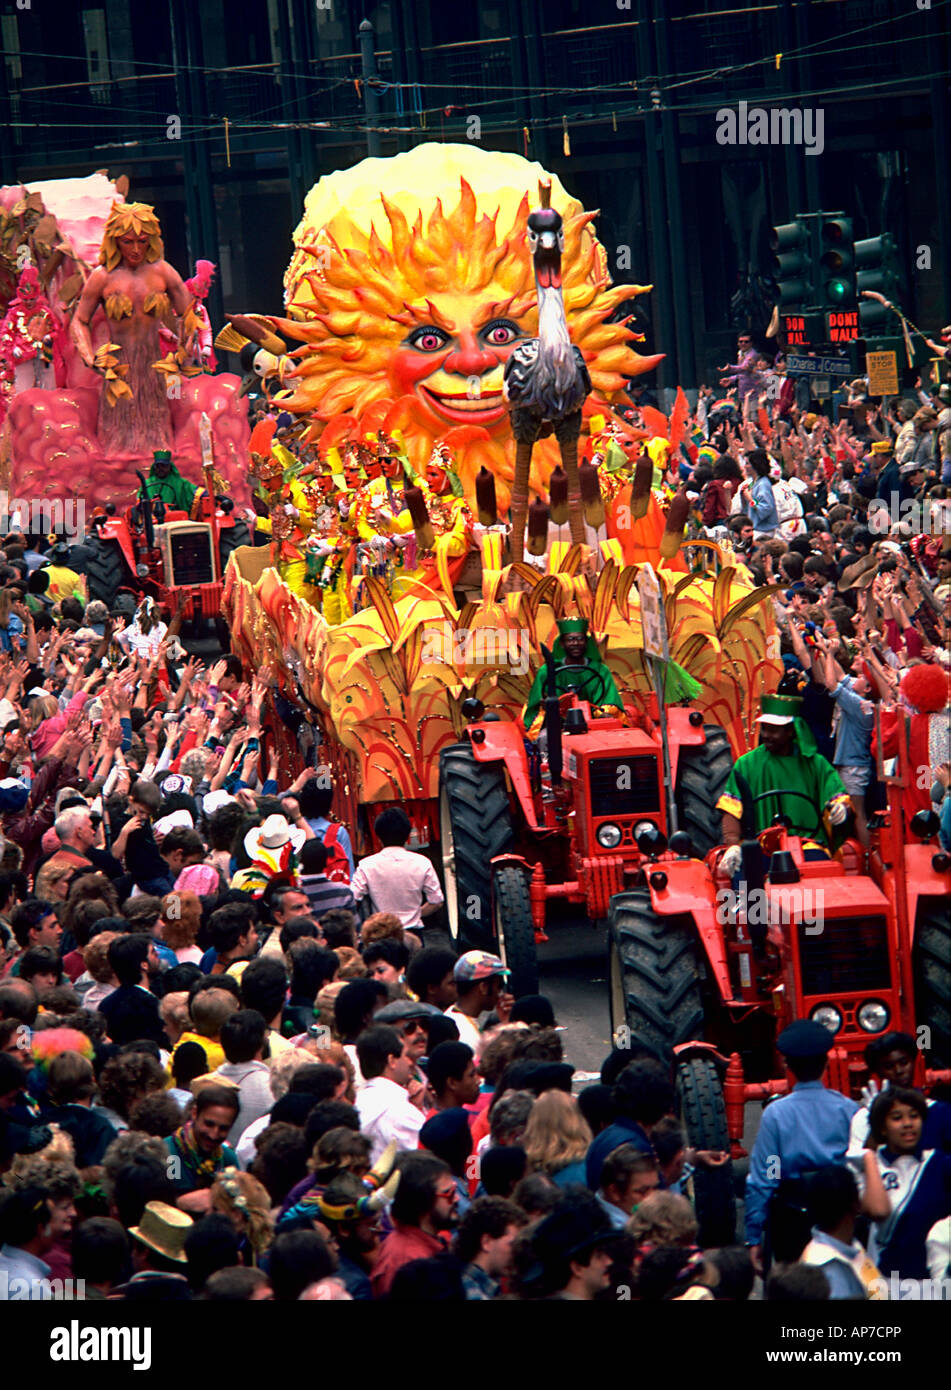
<point>464,400</point>
<point>488,403</point>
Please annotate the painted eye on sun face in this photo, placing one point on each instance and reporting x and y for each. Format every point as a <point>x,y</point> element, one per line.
<point>500,332</point>
<point>427,339</point>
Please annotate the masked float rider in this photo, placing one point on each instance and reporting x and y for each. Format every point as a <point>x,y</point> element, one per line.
<point>165,481</point>
<point>785,760</point>
<point>579,668</point>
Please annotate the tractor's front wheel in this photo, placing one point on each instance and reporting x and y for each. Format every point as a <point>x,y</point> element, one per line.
<point>475,824</point>
<point>653,970</point>
<point>933,979</point>
<point>704,1119</point>
<point>701,777</point>
<point>514,929</point>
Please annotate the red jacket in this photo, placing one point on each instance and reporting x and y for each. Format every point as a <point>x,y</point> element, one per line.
<point>28,827</point>
<point>716,502</point>
<point>404,1243</point>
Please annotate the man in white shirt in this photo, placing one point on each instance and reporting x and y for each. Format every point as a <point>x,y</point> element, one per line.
<point>387,1115</point>
<point>396,879</point>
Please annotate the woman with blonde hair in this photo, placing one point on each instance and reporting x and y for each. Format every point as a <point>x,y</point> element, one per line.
<point>664,1218</point>
<point>98,969</point>
<point>47,723</point>
<point>181,918</point>
<point>246,1203</point>
<point>557,1138</point>
<point>53,882</point>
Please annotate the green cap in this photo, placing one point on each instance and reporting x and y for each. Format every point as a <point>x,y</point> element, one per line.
<point>779,709</point>
<point>567,625</point>
<point>162,455</point>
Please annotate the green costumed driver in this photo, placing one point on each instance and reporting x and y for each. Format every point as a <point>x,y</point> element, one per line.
<point>579,668</point>
<point>165,481</point>
<point>786,760</point>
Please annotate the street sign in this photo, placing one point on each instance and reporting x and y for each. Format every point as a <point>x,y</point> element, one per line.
<point>881,368</point>
<point>818,366</point>
<point>800,330</point>
<point>842,325</point>
<point>653,618</point>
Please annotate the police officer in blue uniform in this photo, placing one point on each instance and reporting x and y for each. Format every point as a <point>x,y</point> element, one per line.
<point>800,1133</point>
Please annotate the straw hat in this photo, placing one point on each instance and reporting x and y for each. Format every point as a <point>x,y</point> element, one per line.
<point>163,1228</point>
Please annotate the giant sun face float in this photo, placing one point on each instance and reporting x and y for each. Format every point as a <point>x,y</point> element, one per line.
<point>411,284</point>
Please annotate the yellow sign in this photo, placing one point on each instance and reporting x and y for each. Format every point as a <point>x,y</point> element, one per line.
<point>881,369</point>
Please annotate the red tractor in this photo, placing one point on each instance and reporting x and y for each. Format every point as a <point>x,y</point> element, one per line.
<point>167,554</point>
<point>712,975</point>
<point>519,826</point>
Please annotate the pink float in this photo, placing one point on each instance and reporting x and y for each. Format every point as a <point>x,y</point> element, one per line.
<point>104,351</point>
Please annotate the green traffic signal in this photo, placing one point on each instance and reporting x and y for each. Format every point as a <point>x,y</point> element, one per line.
<point>836,284</point>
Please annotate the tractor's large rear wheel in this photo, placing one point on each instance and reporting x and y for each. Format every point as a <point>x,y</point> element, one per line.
<point>704,1119</point>
<point>514,928</point>
<point>654,975</point>
<point>475,825</point>
<point>933,978</point>
<point>106,570</point>
<point>701,776</point>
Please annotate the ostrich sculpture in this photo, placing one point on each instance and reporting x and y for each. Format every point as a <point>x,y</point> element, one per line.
<point>546,380</point>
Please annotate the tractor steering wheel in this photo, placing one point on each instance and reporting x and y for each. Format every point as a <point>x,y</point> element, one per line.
<point>791,791</point>
<point>578,689</point>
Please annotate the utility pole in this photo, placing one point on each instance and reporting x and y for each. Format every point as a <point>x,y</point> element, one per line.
<point>371,96</point>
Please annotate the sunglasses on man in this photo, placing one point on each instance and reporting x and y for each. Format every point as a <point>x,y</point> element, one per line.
<point>413,1025</point>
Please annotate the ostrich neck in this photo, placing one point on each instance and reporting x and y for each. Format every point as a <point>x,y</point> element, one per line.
<point>554,341</point>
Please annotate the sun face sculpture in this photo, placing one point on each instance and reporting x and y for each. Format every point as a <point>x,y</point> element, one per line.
<point>409,311</point>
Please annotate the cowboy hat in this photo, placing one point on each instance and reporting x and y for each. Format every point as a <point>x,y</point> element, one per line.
<point>163,1228</point>
<point>273,835</point>
<point>859,575</point>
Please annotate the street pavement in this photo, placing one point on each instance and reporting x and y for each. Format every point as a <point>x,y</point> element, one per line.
<point>573,970</point>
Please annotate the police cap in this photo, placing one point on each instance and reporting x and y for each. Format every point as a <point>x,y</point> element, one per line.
<point>805,1039</point>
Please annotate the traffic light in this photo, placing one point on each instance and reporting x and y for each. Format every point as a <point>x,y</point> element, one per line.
<point>836,280</point>
<point>791,245</point>
<point>879,269</point>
